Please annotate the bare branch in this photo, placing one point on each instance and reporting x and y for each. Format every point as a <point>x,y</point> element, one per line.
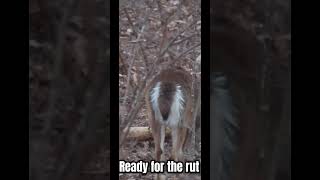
<point>178,57</point>
<point>162,52</point>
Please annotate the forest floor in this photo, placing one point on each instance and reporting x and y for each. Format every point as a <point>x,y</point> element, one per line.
<point>133,151</point>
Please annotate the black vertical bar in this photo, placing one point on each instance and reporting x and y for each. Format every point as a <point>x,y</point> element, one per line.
<point>114,89</point>
<point>205,89</point>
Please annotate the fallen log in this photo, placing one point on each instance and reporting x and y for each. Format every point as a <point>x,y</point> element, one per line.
<point>142,133</point>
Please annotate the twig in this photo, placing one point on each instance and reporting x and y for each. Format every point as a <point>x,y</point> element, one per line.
<point>128,81</point>
<point>162,52</point>
<point>184,39</point>
<point>135,30</point>
<point>138,35</point>
<point>170,63</point>
<point>195,113</point>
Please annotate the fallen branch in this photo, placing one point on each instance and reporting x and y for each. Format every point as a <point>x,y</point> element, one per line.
<point>141,133</point>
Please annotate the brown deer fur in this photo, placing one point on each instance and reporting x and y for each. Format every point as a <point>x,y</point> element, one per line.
<point>165,88</point>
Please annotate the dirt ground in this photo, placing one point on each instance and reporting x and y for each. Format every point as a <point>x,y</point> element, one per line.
<point>133,151</point>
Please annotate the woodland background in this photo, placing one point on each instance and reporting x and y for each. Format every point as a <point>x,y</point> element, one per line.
<point>154,35</point>
<point>270,22</point>
<point>69,89</point>
<point>69,79</point>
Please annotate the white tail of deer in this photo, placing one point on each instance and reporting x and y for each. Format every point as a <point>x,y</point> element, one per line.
<point>169,104</point>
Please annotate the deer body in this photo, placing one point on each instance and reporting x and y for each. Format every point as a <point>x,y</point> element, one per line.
<point>169,104</point>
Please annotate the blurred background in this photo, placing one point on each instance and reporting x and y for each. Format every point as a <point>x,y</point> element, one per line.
<point>69,89</point>
<point>251,71</point>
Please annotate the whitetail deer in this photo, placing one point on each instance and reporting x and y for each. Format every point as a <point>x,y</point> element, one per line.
<point>169,104</point>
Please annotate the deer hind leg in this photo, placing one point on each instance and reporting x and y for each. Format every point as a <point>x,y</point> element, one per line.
<point>162,137</point>
<point>178,138</point>
<point>158,132</point>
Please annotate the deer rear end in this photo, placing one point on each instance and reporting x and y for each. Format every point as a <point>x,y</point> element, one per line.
<point>169,104</point>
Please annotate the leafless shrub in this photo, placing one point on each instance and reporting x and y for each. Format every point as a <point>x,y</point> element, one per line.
<point>154,35</point>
